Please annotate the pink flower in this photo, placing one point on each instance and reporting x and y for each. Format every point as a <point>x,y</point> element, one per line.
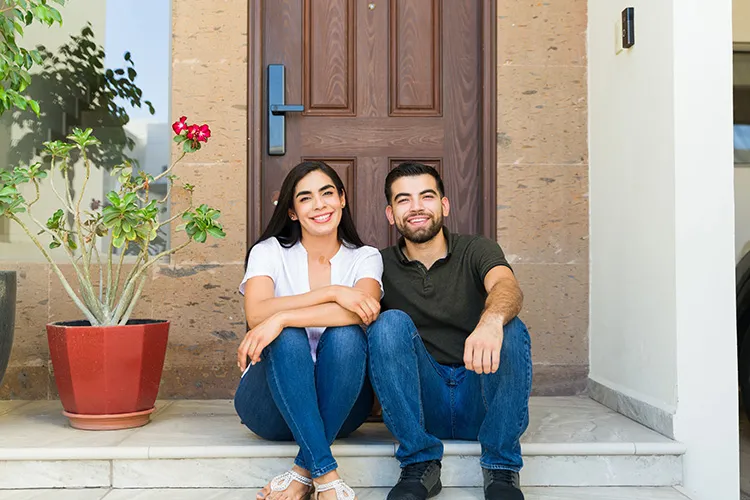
<point>180,126</point>
<point>199,133</point>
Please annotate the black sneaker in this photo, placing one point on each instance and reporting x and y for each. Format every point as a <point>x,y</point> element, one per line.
<point>501,485</point>
<point>418,482</point>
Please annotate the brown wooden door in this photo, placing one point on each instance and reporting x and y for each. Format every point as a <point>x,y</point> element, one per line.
<point>382,82</point>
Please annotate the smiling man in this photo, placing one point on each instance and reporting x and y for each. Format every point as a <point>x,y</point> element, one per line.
<point>449,358</point>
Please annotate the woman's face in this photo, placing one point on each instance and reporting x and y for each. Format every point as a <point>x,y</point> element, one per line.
<point>317,204</point>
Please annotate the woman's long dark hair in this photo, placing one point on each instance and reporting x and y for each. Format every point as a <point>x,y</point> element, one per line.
<point>289,231</point>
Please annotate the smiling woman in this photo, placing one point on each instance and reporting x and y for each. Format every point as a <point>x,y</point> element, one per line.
<point>310,284</point>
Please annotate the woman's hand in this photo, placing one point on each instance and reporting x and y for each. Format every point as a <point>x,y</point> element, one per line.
<point>258,339</point>
<point>359,302</point>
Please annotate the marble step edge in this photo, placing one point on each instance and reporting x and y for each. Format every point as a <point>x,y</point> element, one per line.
<point>285,450</point>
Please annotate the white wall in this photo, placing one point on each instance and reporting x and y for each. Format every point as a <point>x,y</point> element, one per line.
<point>707,414</point>
<point>16,245</point>
<point>662,225</point>
<point>631,141</point>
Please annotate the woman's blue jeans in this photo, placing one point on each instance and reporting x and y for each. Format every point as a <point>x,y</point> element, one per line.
<point>288,397</point>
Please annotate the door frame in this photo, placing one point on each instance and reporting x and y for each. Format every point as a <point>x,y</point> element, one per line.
<point>255,120</point>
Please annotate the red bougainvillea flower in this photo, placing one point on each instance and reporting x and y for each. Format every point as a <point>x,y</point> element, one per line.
<point>199,133</point>
<point>180,125</point>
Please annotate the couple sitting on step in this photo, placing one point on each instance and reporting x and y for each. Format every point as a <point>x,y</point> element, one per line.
<point>429,324</point>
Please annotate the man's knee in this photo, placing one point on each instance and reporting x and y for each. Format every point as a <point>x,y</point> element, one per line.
<point>390,332</point>
<point>516,337</point>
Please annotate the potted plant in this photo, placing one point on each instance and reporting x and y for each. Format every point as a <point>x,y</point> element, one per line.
<point>107,366</point>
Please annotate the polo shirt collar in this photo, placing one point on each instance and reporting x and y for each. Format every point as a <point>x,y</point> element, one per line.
<point>402,243</point>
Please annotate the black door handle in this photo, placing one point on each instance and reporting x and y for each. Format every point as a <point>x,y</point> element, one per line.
<point>280,109</point>
<point>277,108</point>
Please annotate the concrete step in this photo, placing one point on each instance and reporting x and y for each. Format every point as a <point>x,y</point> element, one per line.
<point>571,441</point>
<point>362,494</point>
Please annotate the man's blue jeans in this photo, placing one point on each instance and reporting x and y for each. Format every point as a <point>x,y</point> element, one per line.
<point>424,402</point>
<point>287,397</point>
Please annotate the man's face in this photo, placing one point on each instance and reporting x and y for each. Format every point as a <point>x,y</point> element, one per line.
<point>416,207</point>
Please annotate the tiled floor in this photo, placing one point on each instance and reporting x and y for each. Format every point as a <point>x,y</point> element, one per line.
<point>362,494</point>
<point>201,444</point>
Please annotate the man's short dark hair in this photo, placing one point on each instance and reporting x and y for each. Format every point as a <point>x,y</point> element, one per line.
<point>411,169</point>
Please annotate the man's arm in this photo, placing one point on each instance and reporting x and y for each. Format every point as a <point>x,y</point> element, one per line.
<point>504,302</point>
<point>504,296</point>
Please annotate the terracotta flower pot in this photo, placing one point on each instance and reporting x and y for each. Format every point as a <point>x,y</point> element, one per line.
<point>108,376</point>
<point>7,317</point>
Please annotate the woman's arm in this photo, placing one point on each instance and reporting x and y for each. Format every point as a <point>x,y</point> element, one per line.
<point>334,314</point>
<point>260,303</point>
<point>322,315</point>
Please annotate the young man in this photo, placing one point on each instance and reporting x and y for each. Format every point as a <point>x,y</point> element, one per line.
<point>449,359</point>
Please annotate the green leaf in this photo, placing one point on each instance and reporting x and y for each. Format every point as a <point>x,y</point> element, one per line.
<point>34,106</point>
<point>200,237</point>
<point>216,232</point>
<point>54,244</point>
<point>179,138</point>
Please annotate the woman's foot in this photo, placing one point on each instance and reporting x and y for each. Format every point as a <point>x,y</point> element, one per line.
<point>296,490</point>
<point>331,494</point>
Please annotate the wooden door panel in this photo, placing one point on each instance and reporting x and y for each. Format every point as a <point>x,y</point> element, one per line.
<point>402,81</point>
<point>415,35</point>
<point>329,65</point>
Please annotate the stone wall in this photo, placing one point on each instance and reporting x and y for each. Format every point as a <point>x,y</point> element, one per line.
<point>542,203</point>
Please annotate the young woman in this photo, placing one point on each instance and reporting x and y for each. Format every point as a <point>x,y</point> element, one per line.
<point>309,287</point>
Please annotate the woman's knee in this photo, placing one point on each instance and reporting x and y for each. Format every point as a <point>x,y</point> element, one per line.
<point>346,339</point>
<point>259,413</point>
<point>289,342</point>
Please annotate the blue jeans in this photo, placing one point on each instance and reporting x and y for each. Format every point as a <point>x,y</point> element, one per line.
<point>288,397</point>
<point>424,401</point>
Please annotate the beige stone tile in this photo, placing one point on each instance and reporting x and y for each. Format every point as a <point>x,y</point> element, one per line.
<point>32,302</point>
<point>543,213</point>
<point>214,94</point>
<point>209,35</point>
<point>559,380</point>
<point>542,115</point>
<point>541,33</point>
<point>556,311</point>
<point>207,323</point>
<point>542,12</point>
<point>26,382</point>
<point>221,186</point>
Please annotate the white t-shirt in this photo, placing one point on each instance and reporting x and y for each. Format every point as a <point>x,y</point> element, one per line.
<point>287,267</point>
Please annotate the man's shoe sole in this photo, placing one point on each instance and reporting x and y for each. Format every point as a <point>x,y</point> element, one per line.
<point>438,489</point>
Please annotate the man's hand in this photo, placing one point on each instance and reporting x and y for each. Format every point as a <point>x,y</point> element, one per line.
<point>359,302</point>
<point>482,348</point>
<point>258,339</point>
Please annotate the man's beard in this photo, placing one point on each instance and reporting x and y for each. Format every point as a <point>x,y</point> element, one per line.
<point>423,234</point>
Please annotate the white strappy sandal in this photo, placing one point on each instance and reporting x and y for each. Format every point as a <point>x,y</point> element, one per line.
<point>343,491</point>
<point>283,481</point>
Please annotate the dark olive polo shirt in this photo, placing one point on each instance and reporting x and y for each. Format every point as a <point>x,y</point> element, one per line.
<point>446,301</point>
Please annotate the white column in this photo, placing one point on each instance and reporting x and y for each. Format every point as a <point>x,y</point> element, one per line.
<point>662,227</point>
<point>707,415</point>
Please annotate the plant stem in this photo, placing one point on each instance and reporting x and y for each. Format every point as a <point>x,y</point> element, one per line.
<point>129,284</point>
<point>89,315</point>
<point>54,189</point>
<point>133,302</point>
